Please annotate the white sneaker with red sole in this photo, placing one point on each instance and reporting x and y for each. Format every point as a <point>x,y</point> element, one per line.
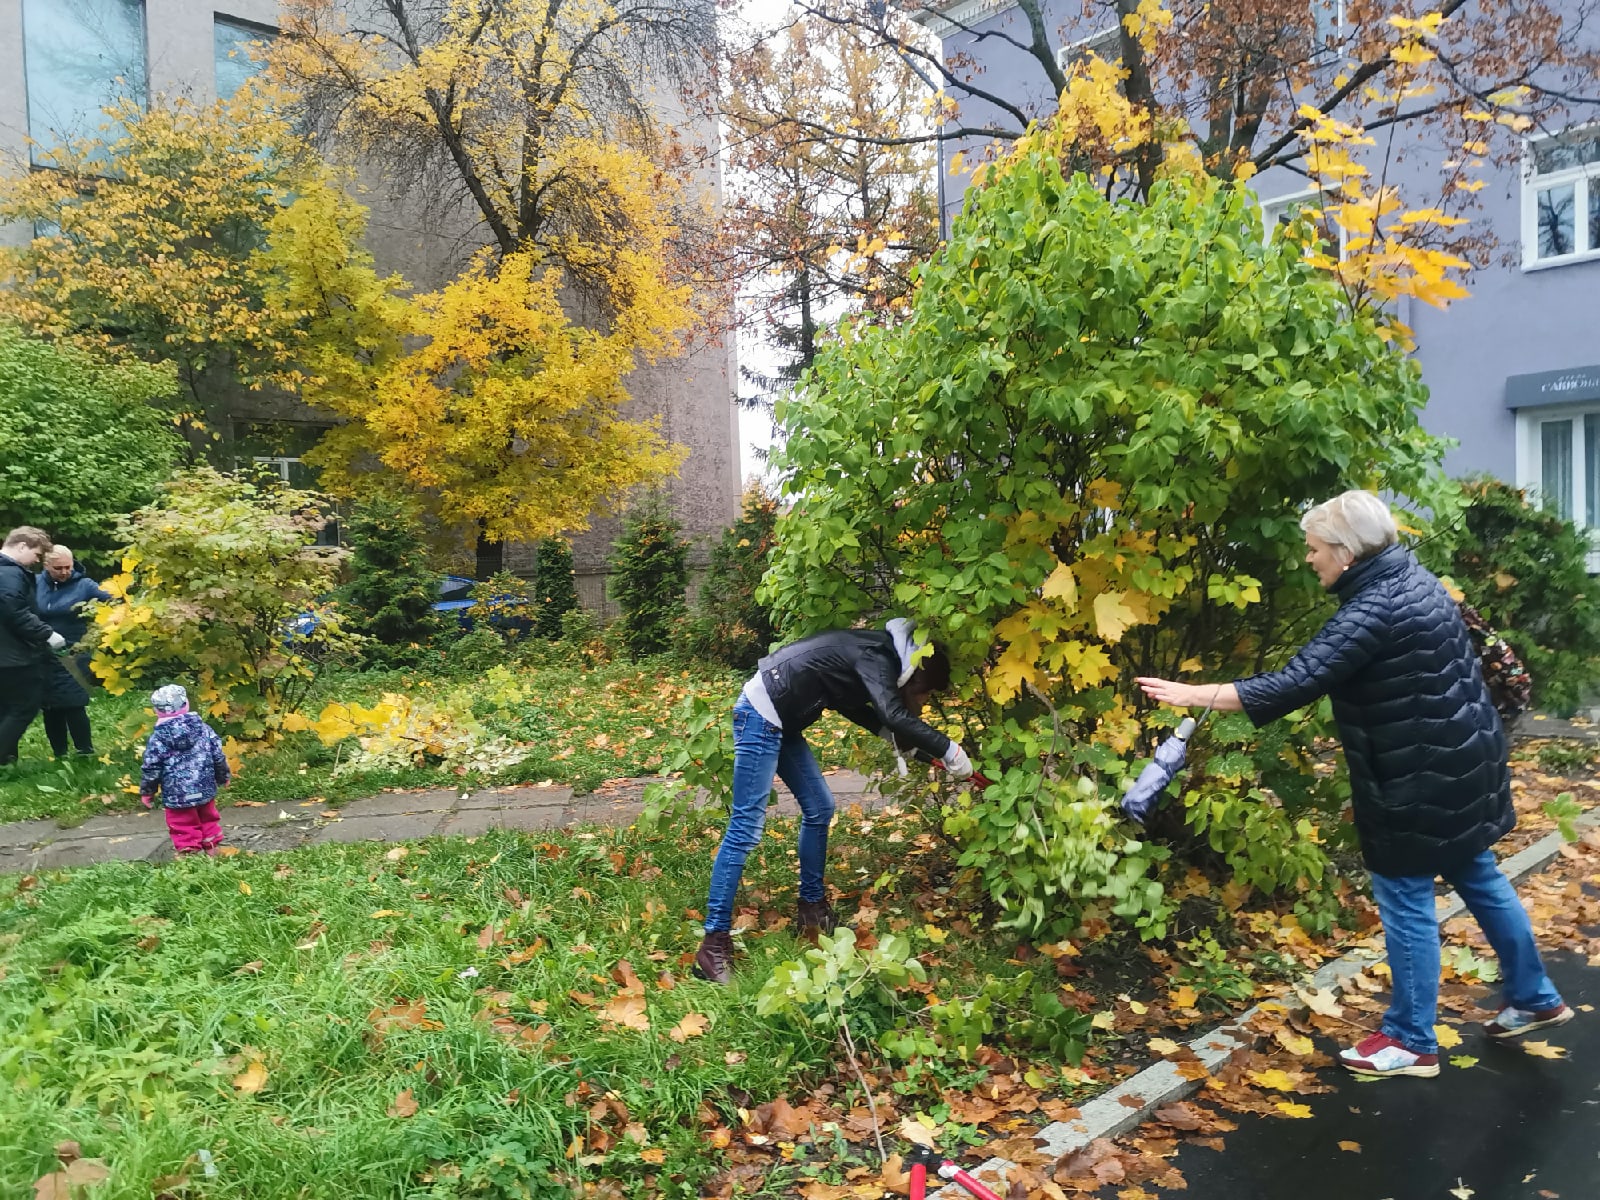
<point>1380,1056</point>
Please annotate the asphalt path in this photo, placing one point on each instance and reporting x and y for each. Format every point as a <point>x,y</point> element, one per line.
<point>1512,1127</point>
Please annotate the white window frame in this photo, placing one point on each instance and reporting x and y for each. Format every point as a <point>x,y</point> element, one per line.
<point>1096,43</point>
<point>332,533</point>
<point>1585,180</point>
<point>1530,424</point>
<point>1272,209</point>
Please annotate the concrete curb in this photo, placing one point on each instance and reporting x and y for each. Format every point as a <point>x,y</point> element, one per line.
<point>1160,1084</point>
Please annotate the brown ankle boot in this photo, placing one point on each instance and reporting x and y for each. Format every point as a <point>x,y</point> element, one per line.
<point>816,918</point>
<point>714,961</point>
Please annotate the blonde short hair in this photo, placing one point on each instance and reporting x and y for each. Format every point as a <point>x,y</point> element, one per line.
<point>1354,521</point>
<point>58,552</point>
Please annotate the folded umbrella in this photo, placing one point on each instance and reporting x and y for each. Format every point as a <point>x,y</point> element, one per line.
<point>1153,780</point>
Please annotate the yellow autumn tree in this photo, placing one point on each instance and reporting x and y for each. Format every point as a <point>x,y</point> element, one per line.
<point>536,119</point>
<point>149,241</point>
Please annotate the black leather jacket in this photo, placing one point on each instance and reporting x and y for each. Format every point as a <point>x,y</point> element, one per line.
<point>1427,753</point>
<point>24,637</point>
<point>853,672</point>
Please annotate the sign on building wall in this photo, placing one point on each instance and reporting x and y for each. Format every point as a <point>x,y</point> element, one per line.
<point>1553,387</point>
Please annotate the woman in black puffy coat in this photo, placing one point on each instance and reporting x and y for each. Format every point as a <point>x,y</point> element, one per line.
<point>1429,780</point>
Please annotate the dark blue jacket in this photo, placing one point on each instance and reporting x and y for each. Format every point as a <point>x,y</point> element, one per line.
<point>1426,750</point>
<point>24,637</point>
<point>61,604</point>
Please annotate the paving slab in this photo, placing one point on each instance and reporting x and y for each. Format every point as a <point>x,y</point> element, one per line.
<point>1512,1127</point>
<point>472,821</point>
<point>235,815</point>
<point>379,829</point>
<point>530,796</point>
<point>393,804</point>
<point>84,852</point>
<point>115,825</point>
<point>592,810</point>
<point>28,833</point>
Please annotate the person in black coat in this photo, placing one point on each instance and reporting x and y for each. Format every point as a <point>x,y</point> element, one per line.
<point>62,591</point>
<point>878,678</point>
<point>25,640</point>
<point>1429,779</point>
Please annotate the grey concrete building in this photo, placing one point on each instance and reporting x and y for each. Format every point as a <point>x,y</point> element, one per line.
<point>61,61</point>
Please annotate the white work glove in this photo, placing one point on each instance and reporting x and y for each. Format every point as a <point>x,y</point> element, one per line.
<point>957,763</point>
<point>57,642</point>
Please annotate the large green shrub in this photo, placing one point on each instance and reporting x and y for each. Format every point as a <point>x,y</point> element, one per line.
<point>83,444</point>
<point>392,595</point>
<point>219,590</point>
<point>1081,458</point>
<point>1526,570</point>
<point>649,575</point>
<point>730,625</point>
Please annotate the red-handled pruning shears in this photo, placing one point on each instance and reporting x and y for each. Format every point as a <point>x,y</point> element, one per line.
<point>978,779</point>
<point>923,1159</point>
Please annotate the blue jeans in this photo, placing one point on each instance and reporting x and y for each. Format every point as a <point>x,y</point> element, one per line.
<point>1411,930</point>
<point>760,751</point>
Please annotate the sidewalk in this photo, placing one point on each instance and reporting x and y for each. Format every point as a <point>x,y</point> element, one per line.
<point>1514,1126</point>
<point>390,817</point>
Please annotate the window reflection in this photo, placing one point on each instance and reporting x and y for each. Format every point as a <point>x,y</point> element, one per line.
<point>79,56</point>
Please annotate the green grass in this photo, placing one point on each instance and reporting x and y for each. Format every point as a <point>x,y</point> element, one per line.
<point>591,723</point>
<point>134,996</point>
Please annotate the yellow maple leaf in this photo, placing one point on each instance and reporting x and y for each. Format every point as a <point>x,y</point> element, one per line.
<point>1112,616</point>
<point>1164,1046</point>
<point>1299,1111</point>
<point>1543,1050</point>
<point>1062,585</point>
<point>1350,1147</point>
<point>1448,1037</point>
<point>1277,1080</point>
<point>1183,997</point>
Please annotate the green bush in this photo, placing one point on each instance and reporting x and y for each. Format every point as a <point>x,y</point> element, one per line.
<point>649,576</point>
<point>729,624</point>
<point>392,595</point>
<point>217,572</point>
<point>478,650</point>
<point>556,585</point>
<point>1526,571</point>
<point>1081,458</point>
<point>83,444</point>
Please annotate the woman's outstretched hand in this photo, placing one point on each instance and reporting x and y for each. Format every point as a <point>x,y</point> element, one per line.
<point>1223,697</point>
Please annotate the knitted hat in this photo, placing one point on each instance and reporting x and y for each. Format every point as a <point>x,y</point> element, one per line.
<point>169,699</point>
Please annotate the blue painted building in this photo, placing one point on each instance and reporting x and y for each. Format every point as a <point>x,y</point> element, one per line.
<point>1513,371</point>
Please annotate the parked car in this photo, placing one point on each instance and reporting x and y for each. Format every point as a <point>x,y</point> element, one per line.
<point>456,605</point>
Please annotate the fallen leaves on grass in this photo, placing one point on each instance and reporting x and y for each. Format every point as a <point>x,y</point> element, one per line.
<point>404,1105</point>
<point>400,1016</point>
<point>692,1025</point>
<point>252,1079</point>
<point>627,1011</point>
<point>79,1173</point>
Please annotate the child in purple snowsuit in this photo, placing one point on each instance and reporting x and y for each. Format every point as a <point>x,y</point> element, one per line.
<point>183,760</point>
